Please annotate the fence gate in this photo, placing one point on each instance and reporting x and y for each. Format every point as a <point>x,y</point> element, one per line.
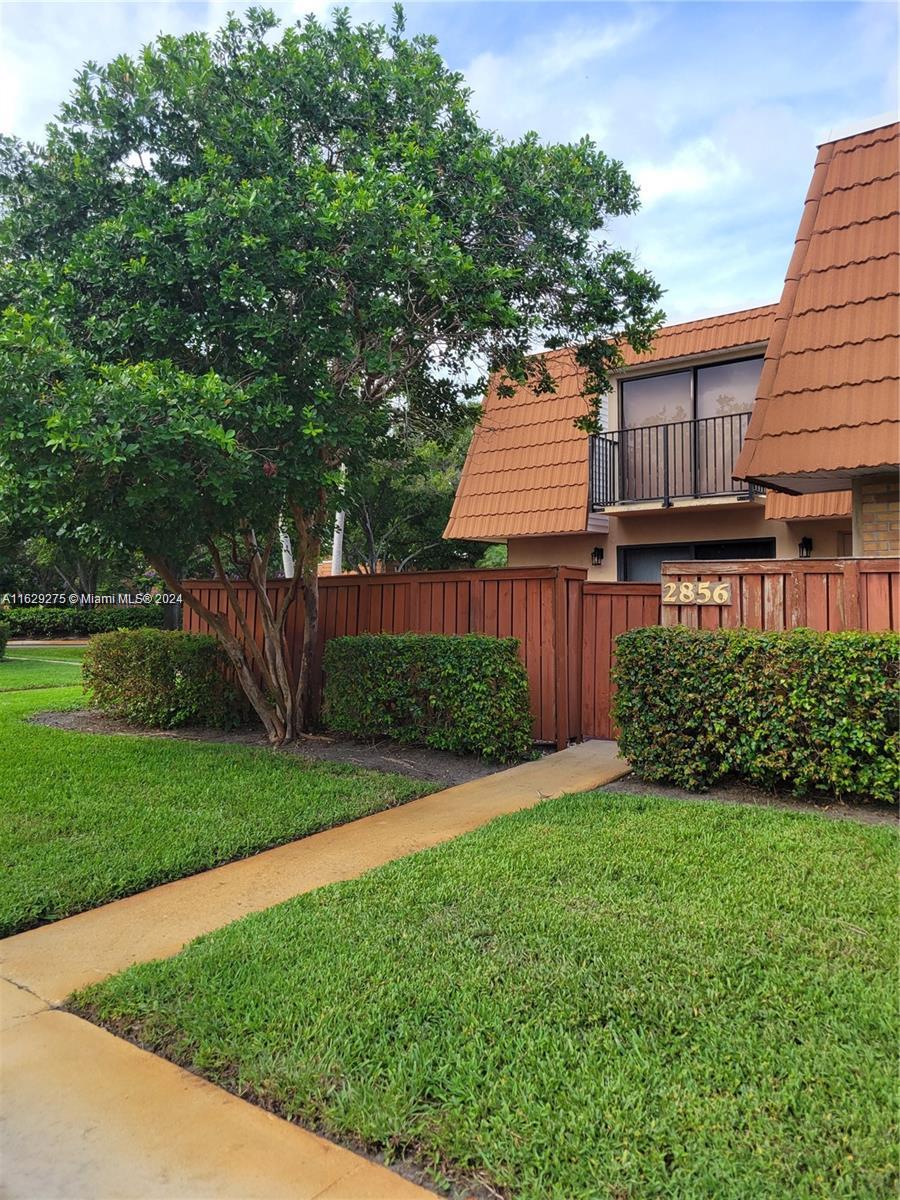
<point>608,610</point>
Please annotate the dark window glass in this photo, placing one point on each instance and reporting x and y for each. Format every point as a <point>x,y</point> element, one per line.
<point>648,404</point>
<point>727,387</point>
<point>642,564</point>
<point>723,392</point>
<point>749,548</point>
<point>657,400</point>
<point>679,438</point>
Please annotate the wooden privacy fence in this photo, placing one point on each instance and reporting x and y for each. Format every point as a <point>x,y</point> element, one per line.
<point>816,593</point>
<point>567,626</point>
<point>529,604</point>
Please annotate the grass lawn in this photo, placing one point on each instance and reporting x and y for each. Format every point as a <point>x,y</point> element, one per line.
<point>606,996</point>
<point>69,653</point>
<point>87,818</point>
<point>40,667</point>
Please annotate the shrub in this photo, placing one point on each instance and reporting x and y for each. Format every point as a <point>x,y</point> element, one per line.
<point>79,622</point>
<point>812,711</point>
<point>465,694</point>
<point>160,678</point>
<point>4,634</point>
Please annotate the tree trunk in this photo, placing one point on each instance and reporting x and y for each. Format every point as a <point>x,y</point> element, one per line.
<point>287,553</point>
<point>284,698</point>
<point>306,559</point>
<point>244,654</point>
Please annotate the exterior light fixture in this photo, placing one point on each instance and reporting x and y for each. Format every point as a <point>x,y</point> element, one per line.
<point>597,556</point>
<point>805,547</point>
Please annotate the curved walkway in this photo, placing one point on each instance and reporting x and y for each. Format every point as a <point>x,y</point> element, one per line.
<point>88,1116</point>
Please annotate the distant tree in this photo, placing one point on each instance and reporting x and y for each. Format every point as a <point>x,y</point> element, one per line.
<point>493,556</point>
<point>39,562</point>
<point>233,253</point>
<point>397,501</point>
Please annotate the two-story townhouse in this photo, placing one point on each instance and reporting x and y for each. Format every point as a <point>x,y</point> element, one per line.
<point>656,483</point>
<point>686,463</point>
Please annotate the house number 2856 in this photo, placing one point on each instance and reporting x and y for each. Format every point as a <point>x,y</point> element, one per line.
<point>688,592</point>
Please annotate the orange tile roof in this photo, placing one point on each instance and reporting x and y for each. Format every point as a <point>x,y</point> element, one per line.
<point>527,467</point>
<point>814,507</point>
<point>745,328</point>
<point>526,472</point>
<point>829,394</point>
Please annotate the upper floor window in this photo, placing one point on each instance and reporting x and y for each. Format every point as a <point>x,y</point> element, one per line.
<point>714,391</point>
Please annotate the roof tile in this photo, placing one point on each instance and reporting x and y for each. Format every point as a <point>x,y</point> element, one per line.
<point>745,328</point>
<point>856,283</point>
<point>854,243</point>
<point>828,395</point>
<point>873,361</point>
<point>850,325</point>
<point>780,507</point>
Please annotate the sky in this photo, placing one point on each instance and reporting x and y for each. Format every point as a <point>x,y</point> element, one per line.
<point>715,108</point>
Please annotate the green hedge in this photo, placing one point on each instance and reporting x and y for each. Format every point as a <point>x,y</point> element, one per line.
<point>4,634</point>
<point>79,622</point>
<point>810,711</point>
<point>466,694</point>
<point>160,678</point>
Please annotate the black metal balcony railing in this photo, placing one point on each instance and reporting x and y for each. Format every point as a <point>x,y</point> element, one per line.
<point>668,462</point>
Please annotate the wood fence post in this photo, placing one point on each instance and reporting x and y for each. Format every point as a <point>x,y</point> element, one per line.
<point>413,611</point>
<point>796,599</point>
<point>852,607</point>
<point>561,657</point>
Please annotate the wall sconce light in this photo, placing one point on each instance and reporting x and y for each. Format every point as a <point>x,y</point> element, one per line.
<point>805,547</point>
<point>597,556</point>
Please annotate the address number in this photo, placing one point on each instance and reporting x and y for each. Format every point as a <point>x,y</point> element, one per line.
<point>689,592</point>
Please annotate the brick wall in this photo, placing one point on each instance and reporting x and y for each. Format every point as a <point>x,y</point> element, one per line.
<point>877,516</point>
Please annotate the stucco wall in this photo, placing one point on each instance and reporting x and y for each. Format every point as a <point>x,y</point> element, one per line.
<point>725,523</point>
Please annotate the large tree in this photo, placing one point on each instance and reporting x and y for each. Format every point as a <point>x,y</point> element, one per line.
<point>229,257</point>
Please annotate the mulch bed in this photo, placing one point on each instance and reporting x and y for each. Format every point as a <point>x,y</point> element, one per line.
<point>874,813</point>
<point>415,761</point>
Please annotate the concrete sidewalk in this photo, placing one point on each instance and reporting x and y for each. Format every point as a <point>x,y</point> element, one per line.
<point>47,642</point>
<point>54,960</point>
<point>87,1115</point>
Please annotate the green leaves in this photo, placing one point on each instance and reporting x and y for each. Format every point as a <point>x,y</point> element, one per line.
<point>805,710</point>
<point>238,253</point>
<point>160,679</point>
<point>50,622</point>
<point>465,694</point>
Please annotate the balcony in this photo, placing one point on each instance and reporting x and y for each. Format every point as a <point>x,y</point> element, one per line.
<point>677,461</point>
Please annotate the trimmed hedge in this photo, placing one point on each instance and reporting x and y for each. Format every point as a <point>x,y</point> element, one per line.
<point>160,678</point>
<point>465,694</point>
<point>80,622</point>
<point>4,635</point>
<point>811,711</point>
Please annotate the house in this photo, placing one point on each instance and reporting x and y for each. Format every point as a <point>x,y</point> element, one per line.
<point>656,483</point>
<point>675,472</point>
<point>827,413</point>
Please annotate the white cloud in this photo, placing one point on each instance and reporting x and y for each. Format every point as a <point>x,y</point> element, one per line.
<point>44,44</point>
<point>715,110</point>
<point>540,81</point>
<point>698,167</point>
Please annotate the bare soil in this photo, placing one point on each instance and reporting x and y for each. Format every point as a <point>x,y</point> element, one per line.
<point>415,761</point>
<point>871,813</point>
